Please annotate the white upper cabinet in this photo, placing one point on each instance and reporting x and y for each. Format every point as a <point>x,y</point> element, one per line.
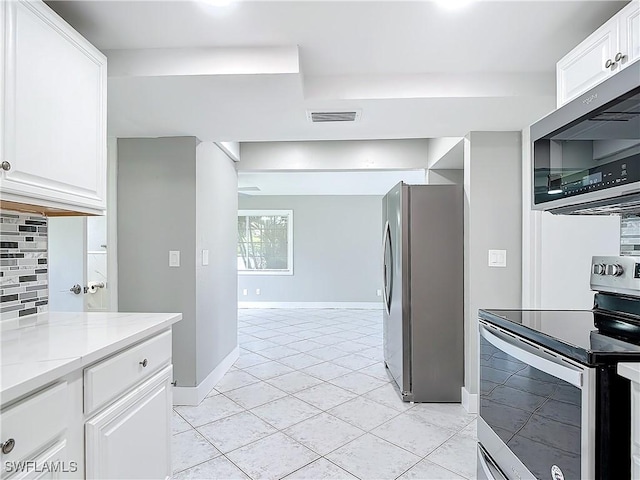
<point>630,32</point>
<point>53,136</point>
<point>609,49</point>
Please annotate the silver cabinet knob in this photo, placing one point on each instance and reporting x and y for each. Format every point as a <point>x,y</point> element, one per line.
<point>144,363</point>
<point>609,63</point>
<point>7,446</point>
<point>77,289</point>
<point>620,56</point>
<point>6,166</point>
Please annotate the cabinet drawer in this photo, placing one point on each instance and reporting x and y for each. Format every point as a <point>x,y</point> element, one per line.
<point>34,423</point>
<point>106,380</point>
<point>54,456</point>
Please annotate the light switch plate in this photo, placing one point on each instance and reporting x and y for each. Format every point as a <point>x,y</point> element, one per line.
<point>497,258</point>
<point>174,258</point>
<point>205,257</point>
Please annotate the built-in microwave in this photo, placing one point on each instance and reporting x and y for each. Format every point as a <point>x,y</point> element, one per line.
<point>586,154</point>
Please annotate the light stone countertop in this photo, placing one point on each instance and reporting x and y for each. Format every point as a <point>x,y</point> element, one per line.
<point>39,349</point>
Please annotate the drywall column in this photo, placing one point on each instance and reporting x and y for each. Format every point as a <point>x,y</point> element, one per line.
<point>156,214</point>
<point>493,221</point>
<point>174,195</point>
<point>216,283</point>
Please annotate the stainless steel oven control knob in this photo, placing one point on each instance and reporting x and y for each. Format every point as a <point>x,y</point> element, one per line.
<point>599,269</point>
<point>615,270</point>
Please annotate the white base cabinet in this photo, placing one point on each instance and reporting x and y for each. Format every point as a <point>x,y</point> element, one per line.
<point>131,438</point>
<point>53,118</point>
<point>51,465</point>
<point>115,426</point>
<point>611,48</point>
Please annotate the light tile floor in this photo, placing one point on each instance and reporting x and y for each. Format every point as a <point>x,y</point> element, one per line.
<point>310,398</point>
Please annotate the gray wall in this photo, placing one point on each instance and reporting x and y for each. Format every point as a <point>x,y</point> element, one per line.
<point>216,283</point>
<point>336,250</point>
<point>173,195</point>
<point>493,220</point>
<point>157,213</point>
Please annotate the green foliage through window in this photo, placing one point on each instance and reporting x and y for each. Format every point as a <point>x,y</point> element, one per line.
<point>264,242</point>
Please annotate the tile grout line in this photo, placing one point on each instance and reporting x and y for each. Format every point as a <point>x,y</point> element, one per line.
<point>322,382</point>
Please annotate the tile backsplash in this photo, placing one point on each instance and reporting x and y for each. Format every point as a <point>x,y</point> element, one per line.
<point>24,279</point>
<point>630,235</point>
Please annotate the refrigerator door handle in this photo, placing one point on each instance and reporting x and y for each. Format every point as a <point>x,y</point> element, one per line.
<point>385,287</point>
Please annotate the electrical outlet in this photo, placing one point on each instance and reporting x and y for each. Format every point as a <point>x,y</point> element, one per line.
<point>174,258</point>
<point>245,292</point>
<point>379,292</point>
<point>205,257</point>
<point>257,291</point>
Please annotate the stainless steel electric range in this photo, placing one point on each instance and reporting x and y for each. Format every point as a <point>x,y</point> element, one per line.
<point>551,403</point>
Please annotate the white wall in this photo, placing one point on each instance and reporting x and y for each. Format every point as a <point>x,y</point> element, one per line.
<point>567,245</point>
<point>334,155</point>
<point>97,264</point>
<point>336,250</point>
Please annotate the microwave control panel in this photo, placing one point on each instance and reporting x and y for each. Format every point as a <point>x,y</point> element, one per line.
<point>604,176</point>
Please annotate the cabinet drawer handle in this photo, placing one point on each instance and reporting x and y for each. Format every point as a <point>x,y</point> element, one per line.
<point>7,446</point>
<point>144,363</point>
<point>6,166</point>
<point>620,56</point>
<point>609,63</point>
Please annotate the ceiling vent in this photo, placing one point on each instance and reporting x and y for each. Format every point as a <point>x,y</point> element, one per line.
<point>326,117</point>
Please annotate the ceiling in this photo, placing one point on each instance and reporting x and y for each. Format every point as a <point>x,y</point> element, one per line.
<point>252,70</point>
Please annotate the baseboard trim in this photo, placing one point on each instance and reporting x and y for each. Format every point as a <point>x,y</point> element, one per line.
<point>360,305</point>
<point>469,401</point>
<point>195,395</point>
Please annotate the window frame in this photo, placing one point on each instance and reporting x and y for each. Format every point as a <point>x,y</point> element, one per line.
<point>266,213</point>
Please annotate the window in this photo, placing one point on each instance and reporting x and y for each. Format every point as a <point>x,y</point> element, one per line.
<point>265,242</point>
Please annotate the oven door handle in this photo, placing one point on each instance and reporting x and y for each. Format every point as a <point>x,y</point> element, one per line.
<point>486,463</point>
<point>534,357</point>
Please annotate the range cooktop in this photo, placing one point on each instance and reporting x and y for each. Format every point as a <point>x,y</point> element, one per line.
<point>586,336</point>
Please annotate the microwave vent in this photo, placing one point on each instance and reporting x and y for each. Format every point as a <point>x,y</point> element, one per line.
<point>624,205</point>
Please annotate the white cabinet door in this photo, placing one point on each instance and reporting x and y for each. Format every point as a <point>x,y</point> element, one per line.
<point>54,124</point>
<point>584,67</point>
<point>51,465</point>
<point>629,20</point>
<point>131,438</point>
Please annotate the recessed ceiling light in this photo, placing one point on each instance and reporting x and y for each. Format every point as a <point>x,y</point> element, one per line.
<point>218,3</point>
<point>453,4</point>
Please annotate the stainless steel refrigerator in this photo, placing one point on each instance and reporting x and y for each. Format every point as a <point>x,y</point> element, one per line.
<point>423,291</point>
